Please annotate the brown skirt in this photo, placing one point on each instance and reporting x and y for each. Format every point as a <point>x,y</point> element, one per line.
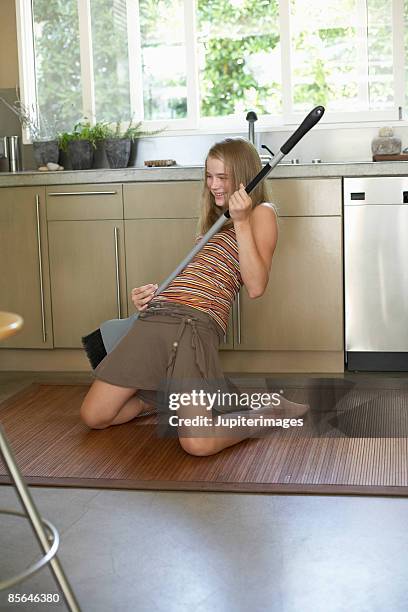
<point>168,342</point>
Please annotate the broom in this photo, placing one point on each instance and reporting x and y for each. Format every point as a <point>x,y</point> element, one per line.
<point>102,341</point>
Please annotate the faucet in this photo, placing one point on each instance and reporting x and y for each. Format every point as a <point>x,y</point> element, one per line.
<point>251,118</point>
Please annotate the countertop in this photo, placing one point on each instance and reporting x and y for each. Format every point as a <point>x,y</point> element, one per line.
<point>195,173</point>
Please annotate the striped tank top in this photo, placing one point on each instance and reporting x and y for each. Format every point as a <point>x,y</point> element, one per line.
<point>211,281</point>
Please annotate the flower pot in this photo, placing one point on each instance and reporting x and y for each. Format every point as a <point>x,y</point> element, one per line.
<point>45,151</point>
<point>80,154</point>
<point>100,160</point>
<point>133,153</point>
<point>117,152</point>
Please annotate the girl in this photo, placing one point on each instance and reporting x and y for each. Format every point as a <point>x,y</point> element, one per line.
<point>178,332</point>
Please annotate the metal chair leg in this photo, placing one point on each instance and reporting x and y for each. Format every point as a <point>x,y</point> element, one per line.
<point>35,567</point>
<point>36,522</point>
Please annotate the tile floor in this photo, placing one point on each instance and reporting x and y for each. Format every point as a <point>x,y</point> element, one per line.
<point>153,551</point>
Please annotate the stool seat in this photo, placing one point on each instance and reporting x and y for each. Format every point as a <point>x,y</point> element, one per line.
<point>10,323</point>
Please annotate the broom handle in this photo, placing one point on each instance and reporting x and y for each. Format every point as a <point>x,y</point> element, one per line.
<point>309,121</point>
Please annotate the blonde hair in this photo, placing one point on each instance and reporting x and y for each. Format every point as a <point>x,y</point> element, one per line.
<point>242,163</point>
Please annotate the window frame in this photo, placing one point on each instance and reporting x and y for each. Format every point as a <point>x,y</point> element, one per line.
<point>26,59</point>
<point>193,124</point>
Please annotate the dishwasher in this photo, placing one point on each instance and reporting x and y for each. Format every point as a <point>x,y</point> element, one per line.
<point>376,273</point>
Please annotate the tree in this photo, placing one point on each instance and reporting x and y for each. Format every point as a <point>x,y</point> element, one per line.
<point>58,75</point>
<point>239,47</point>
<point>231,36</point>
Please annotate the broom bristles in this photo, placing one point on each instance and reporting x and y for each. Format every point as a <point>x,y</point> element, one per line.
<point>94,347</point>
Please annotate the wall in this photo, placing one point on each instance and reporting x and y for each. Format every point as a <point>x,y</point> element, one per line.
<point>329,145</point>
<point>8,45</point>
<point>9,124</point>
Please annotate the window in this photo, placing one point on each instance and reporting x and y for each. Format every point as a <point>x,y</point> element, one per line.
<point>110,59</point>
<point>163,59</point>
<point>342,55</point>
<point>405,49</point>
<point>202,64</point>
<point>58,82</point>
<point>238,44</point>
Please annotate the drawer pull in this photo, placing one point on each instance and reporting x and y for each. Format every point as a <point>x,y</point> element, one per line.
<point>40,267</point>
<point>239,317</point>
<point>81,193</point>
<point>116,238</point>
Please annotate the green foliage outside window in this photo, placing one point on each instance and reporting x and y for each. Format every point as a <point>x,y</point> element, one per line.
<point>226,78</point>
<point>110,57</point>
<point>58,71</point>
<point>230,34</point>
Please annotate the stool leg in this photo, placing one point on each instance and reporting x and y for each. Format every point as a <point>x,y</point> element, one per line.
<point>35,519</point>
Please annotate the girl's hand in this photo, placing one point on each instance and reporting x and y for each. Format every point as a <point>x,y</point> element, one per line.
<point>141,296</point>
<point>240,205</point>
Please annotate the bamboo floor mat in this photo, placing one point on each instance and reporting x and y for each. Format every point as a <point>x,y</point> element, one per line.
<point>53,448</point>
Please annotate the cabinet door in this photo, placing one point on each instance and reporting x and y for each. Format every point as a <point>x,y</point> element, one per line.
<point>154,248</point>
<point>163,200</point>
<point>302,307</point>
<point>24,274</point>
<point>307,197</point>
<point>88,279</point>
<point>84,202</point>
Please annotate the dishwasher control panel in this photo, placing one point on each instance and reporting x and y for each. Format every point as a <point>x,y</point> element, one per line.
<point>376,190</point>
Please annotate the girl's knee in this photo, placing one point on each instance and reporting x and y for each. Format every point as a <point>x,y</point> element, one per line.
<point>102,403</point>
<point>199,447</point>
<point>91,417</point>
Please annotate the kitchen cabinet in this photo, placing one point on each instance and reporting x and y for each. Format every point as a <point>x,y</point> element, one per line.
<point>24,266</point>
<point>104,239</point>
<point>302,307</point>
<point>87,259</point>
<point>160,229</point>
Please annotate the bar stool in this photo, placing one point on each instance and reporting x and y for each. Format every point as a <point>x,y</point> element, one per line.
<point>10,324</point>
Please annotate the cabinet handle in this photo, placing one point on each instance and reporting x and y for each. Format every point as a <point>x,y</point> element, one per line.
<point>40,267</point>
<point>82,193</point>
<point>116,237</point>
<point>239,317</point>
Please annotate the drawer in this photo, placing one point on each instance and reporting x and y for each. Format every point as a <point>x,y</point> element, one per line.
<point>84,202</point>
<point>306,197</point>
<point>167,200</point>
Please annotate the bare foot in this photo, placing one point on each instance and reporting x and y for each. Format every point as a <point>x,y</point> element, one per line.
<point>147,410</point>
<point>287,409</point>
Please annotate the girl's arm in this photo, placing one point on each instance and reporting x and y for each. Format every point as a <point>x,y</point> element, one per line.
<point>257,235</point>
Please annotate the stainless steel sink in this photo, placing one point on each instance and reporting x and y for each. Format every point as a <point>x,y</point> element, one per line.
<point>326,163</point>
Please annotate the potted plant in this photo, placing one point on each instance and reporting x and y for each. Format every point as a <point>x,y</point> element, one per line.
<point>134,132</point>
<point>42,132</point>
<point>78,146</point>
<point>121,146</point>
<point>117,147</point>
